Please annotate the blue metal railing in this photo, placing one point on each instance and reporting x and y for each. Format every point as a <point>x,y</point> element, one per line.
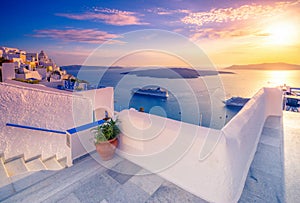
<point>85,127</point>
<point>70,131</point>
<point>34,128</point>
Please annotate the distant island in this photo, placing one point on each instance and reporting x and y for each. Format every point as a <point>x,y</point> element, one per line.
<point>265,66</point>
<point>78,67</point>
<point>174,73</point>
<point>170,73</point>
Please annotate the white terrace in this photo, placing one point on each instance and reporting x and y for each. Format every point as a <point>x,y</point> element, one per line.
<point>159,159</point>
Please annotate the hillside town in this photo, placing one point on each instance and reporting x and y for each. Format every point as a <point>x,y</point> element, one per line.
<point>35,68</point>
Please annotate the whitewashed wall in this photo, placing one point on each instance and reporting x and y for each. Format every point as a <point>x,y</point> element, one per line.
<point>212,164</point>
<point>15,141</point>
<point>81,143</point>
<point>8,71</point>
<point>102,99</point>
<point>38,108</point>
<point>48,109</point>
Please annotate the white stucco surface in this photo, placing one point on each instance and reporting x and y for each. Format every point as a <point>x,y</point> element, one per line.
<point>42,107</point>
<point>8,71</point>
<point>102,99</point>
<point>212,164</point>
<point>16,141</point>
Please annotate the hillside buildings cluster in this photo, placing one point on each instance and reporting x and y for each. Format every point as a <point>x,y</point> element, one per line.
<point>26,59</point>
<point>36,68</point>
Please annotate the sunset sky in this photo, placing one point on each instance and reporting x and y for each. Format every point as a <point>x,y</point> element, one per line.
<point>229,32</point>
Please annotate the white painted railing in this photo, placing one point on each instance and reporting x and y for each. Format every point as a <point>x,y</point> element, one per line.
<point>81,140</point>
<point>212,164</point>
<point>243,132</point>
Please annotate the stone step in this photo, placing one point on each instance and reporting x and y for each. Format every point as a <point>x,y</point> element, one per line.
<point>35,164</point>
<point>3,173</point>
<point>21,182</point>
<point>15,165</point>
<point>6,188</point>
<point>51,163</point>
<point>26,180</point>
<point>61,180</point>
<point>63,162</point>
<point>17,175</point>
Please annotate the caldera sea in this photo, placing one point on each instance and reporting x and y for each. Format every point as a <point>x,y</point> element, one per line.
<point>192,98</point>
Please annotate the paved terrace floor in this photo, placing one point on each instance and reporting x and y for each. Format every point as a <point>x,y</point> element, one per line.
<point>274,170</point>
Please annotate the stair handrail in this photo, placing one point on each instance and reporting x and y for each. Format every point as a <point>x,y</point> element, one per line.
<point>85,126</point>
<point>35,128</point>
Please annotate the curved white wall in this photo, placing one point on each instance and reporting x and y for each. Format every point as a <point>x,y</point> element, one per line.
<point>212,164</point>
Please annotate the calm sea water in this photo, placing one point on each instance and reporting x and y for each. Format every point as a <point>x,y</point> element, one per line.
<point>196,100</point>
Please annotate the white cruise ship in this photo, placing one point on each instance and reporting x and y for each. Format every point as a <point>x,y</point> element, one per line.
<point>151,91</point>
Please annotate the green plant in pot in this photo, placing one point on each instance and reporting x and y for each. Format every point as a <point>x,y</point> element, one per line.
<point>106,138</point>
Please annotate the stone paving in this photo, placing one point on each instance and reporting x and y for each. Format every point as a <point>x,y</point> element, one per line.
<point>120,180</point>
<point>292,156</point>
<point>111,186</point>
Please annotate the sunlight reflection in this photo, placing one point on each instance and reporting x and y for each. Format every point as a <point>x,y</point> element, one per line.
<point>277,78</point>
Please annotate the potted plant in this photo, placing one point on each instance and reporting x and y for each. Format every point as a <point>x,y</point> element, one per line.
<point>106,138</point>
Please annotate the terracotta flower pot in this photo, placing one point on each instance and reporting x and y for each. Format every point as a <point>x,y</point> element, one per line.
<point>107,149</point>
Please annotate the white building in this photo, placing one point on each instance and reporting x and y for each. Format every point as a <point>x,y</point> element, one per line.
<point>44,60</point>
<point>43,57</point>
<point>32,57</point>
<point>13,54</point>
<point>8,71</point>
<point>9,50</point>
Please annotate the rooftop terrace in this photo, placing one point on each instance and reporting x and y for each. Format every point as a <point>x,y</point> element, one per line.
<point>272,176</point>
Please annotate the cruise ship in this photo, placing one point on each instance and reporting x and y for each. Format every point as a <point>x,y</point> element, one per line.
<point>151,91</point>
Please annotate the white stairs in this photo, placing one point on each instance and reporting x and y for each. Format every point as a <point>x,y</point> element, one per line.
<point>13,172</point>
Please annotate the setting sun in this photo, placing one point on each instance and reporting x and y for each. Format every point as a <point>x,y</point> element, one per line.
<point>283,33</point>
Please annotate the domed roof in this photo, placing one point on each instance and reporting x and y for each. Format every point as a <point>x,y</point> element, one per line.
<point>42,53</point>
<point>43,56</point>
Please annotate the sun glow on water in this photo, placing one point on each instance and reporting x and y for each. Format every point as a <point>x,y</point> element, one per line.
<point>277,78</point>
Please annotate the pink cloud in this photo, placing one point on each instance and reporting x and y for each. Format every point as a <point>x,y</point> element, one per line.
<point>244,12</point>
<point>215,33</point>
<point>109,16</point>
<point>78,35</point>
